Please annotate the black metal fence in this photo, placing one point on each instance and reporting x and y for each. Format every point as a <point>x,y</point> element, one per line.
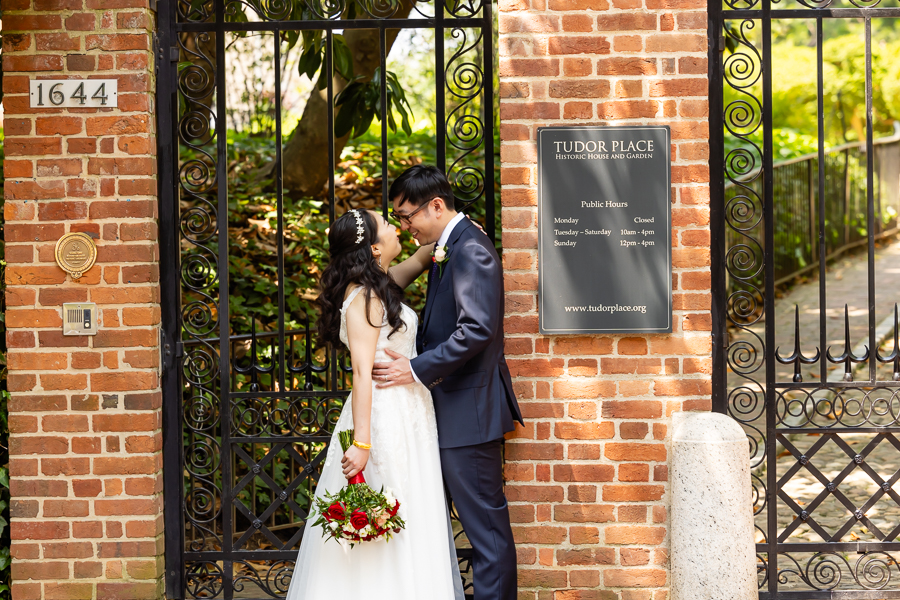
<point>796,197</point>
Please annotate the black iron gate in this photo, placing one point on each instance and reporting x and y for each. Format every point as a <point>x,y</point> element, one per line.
<point>250,406</point>
<point>820,404</point>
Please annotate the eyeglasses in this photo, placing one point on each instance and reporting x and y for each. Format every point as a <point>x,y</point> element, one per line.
<point>407,218</point>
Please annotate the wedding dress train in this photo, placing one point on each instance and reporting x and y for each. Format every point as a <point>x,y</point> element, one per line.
<point>419,562</point>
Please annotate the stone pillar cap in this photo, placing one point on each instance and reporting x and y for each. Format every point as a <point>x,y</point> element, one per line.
<point>707,428</point>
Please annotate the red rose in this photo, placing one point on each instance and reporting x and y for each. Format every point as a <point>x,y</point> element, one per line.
<point>359,519</point>
<point>335,512</point>
<point>393,511</point>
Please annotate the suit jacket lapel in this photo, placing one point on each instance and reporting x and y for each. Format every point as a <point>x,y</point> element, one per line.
<point>435,281</point>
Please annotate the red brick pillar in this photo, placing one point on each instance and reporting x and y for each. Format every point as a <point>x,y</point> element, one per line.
<point>85,439</point>
<point>587,477</point>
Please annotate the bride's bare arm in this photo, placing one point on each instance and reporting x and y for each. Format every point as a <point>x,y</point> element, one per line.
<point>409,270</point>
<point>406,272</point>
<point>363,339</point>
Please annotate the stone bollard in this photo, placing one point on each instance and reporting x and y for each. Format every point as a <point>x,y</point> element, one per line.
<point>713,552</point>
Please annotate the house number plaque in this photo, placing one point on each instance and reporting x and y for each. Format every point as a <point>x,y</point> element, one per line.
<point>75,253</point>
<point>74,93</point>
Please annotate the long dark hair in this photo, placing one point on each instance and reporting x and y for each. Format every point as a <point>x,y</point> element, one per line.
<point>354,263</point>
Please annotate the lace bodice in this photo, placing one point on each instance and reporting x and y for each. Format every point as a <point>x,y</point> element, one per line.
<point>402,342</point>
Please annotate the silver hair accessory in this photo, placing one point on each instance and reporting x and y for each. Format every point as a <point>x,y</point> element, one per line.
<point>360,230</point>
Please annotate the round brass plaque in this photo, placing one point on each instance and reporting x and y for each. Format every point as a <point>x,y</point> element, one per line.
<point>75,253</point>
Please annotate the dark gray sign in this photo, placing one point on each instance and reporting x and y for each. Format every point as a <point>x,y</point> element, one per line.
<point>605,229</point>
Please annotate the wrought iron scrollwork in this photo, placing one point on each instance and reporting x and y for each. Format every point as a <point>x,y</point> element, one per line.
<point>288,11</point>
<point>746,352</point>
<point>463,8</point>
<point>266,10</point>
<point>820,4</point>
<point>204,579</point>
<point>741,4</point>
<point>836,407</point>
<point>464,79</point>
<point>190,11</point>
<point>197,180</point>
<point>762,571</point>
<point>272,577</point>
<point>825,571</point>
<point>422,6</point>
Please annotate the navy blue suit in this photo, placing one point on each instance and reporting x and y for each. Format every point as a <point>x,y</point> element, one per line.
<point>460,346</point>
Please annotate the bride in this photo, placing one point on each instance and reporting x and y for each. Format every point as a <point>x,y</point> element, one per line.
<point>394,429</point>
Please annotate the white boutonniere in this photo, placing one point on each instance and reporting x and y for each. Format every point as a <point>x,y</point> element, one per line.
<point>439,257</point>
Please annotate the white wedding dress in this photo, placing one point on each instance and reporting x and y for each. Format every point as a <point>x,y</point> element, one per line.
<point>418,563</point>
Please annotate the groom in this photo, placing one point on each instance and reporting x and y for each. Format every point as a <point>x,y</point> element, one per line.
<point>460,346</point>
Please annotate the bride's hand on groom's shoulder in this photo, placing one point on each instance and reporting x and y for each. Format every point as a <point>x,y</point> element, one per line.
<point>354,461</point>
<point>477,224</point>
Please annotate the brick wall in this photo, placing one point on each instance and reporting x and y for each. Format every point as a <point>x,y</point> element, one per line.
<point>84,415</point>
<point>587,477</point>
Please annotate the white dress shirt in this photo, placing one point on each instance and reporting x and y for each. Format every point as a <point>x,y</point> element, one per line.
<point>445,235</point>
<point>442,241</point>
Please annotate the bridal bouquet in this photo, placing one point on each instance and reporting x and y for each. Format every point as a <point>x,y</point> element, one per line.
<point>358,513</point>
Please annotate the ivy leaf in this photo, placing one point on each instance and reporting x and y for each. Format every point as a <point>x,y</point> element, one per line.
<point>292,36</point>
<point>343,58</point>
<point>360,103</point>
<point>363,123</point>
<point>348,101</point>
<point>310,61</point>
<point>397,97</point>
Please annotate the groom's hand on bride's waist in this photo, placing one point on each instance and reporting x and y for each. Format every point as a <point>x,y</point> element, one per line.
<point>396,372</point>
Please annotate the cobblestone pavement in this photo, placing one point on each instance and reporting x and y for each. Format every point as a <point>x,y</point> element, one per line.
<point>846,282</point>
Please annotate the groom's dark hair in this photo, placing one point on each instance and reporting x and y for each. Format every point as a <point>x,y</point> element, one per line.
<point>420,184</point>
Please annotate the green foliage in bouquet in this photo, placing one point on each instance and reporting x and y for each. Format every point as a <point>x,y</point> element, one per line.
<point>357,513</point>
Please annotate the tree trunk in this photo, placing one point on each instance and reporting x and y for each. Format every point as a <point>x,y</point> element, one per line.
<point>305,156</point>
